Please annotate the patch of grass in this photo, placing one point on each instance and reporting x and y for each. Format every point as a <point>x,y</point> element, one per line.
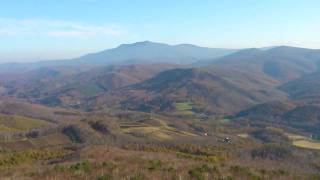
<point>244,135</point>
<point>77,168</point>
<point>29,156</point>
<point>303,141</point>
<point>105,177</point>
<point>295,136</point>
<point>240,171</point>
<point>197,172</point>
<point>84,166</point>
<point>161,135</point>
<point>19,123</point>
<point>149,129</point>
<point>272,152</point>
<point>90,90</point>
<point>5,128</point>
<point>184,109</point>
<point>306,144</point>
<point>137,176</point>
<point>184,106</point>
<point>50,140</point>
<point>109,165</point>
<point>187,151</point>
<point>155,164</point>
<point>161,132</point>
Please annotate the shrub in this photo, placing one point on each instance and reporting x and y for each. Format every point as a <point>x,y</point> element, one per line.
<point>60,168</point>
<point>84,166</point>
<point>155,165</point>
<point>239,169</point>
<point>272,152</point>
<point>73,134</point>
<point>99,126</point>
<point>270,136</point>
<point>208,168</point>
<point>244,171</point>
<point>14,159</point>
<point>197,172</point>
<point>137,176</point>
<point>109,165</point>
<point>194,173</point>
<point>104,177</point>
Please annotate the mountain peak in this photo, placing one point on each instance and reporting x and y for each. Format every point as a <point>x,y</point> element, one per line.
<point>144,43</point>
<point>290,50</point>
<point>187,45</point>
<point>141,44</point>
<point>245,52</point>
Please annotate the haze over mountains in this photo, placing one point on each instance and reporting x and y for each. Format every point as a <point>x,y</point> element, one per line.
<point>184,100</point>
<point>216,81</point>
<point>140,52</point>
<point>84,94</point>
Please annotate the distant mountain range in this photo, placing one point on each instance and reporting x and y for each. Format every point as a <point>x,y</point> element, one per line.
<point>136,53</point>
<point>276,86</point>
<point>283,63</point>
<point>226,84</point>
<point>151,52</point>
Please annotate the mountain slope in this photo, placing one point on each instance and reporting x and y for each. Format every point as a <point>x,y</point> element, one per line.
<point>282,63</point>
<point>305,117</point>
<point>140,52</point>
<point>62,86</point>
<point>12,106</point>
<point>152,52</point>
<point>305,89</point>
<point>209,90</point>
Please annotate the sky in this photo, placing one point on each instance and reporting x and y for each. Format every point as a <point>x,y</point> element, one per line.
<point>33,30</point>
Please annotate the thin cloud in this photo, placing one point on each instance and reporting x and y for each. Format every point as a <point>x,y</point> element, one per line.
<point>56,28</point>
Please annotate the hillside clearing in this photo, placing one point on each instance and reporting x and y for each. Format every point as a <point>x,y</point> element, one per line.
<point>19,123</point>
<point>303,141</point>
<point>307,144</point>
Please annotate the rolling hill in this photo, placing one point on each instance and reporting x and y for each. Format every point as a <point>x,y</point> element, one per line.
<point>305,117</point>
<point>212,90</point>
<point>163,119</point>
<point>13,106</point>
<point>69,86</point>
<point>282,63</point>
<point>305,89</point>
<point>231,83</point>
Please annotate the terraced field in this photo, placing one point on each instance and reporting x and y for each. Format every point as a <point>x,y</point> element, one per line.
<point>159,132</point>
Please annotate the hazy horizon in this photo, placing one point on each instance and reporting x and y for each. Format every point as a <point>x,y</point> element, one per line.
<point>52,58</point>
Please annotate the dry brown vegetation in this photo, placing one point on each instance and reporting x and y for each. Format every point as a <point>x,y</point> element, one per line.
<point>163,122</point>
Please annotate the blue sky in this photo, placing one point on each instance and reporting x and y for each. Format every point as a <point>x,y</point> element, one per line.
<point>49,29</point>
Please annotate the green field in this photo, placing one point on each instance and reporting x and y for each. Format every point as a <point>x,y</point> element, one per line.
<point>90,90</point>
<point>184,106</point>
